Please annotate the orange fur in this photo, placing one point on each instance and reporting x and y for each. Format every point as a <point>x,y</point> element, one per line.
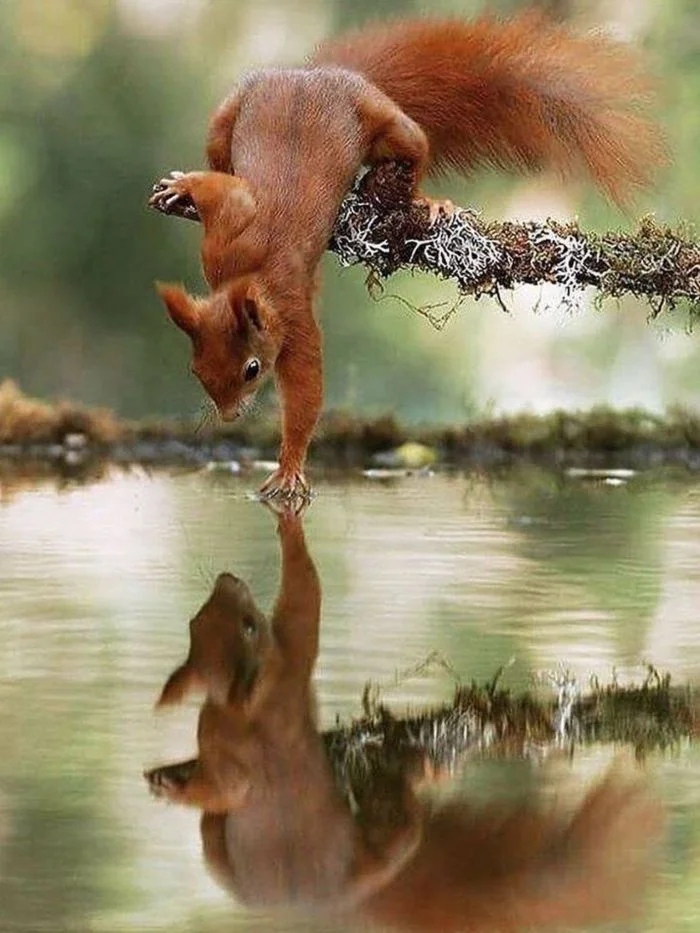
<point>523,94</point>
<point>513,869</point>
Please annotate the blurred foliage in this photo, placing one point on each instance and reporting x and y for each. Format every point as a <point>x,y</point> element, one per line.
<point>100,98</point>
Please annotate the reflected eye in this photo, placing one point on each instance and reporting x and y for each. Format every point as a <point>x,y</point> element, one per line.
<point>249,627</point>
<point>251,369</point>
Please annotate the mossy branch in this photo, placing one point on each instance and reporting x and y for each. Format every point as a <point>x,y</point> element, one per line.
<point>381,229</point>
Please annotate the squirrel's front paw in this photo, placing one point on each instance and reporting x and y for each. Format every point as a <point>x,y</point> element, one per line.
<point>171,194</point>
<point>286,485</point>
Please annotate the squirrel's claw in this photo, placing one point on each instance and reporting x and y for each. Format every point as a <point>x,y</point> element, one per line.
<point>168,191</point>
<point>287,511</point>
<point>286,485</point>
<point>436,207</point>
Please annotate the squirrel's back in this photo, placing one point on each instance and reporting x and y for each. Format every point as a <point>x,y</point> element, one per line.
<point>521,94</point>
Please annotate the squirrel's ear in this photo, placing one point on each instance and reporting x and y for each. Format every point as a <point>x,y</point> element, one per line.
<point>182,308</point>
<point>178,685</point>
<point>246,310</point>
<point>252,312</point>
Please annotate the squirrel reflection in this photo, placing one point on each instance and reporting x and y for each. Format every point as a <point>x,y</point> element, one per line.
<point>278,830</point>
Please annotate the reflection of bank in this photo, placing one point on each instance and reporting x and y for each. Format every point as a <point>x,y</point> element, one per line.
<point>278,829</point>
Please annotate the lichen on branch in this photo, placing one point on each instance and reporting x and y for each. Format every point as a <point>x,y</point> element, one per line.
<point>380,228</point>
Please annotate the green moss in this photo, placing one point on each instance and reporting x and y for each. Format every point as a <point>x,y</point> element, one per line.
<point>40,431</point>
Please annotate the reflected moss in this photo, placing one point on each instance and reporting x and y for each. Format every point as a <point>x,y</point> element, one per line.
<point>491,720</point>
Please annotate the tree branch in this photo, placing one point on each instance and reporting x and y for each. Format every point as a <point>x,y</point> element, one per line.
<point>378,227</point>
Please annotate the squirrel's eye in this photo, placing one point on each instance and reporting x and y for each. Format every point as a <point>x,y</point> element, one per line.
<point>249,627</point>
<point>251,369</point>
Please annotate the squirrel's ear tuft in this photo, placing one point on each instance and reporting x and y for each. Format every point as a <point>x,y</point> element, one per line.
<point>182,308</point>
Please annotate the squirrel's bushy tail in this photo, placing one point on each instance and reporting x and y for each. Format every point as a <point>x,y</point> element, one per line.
<point>520,94</point>
<point>527,868</point>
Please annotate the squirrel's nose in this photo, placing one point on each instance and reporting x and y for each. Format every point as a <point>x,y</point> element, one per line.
<point>227,412</point>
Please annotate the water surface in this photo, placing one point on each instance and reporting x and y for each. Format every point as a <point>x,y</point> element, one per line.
<point>97,583</point>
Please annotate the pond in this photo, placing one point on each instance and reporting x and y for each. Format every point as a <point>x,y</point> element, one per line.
<point>539,571</point>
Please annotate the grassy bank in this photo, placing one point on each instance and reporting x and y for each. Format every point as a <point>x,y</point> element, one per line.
<point>68,435</point>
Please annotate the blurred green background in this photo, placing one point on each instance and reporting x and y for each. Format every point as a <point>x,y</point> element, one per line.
<point>100,97</point>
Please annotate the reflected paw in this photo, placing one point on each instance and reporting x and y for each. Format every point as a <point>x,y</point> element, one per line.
<point>169,781</point>
<point>288,512</point>
<point>288,487</point>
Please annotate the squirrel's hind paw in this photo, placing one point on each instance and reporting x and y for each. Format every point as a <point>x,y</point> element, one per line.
<point>437,207</point>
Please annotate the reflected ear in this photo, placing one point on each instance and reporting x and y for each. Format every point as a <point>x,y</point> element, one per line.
<point>179,684</point>
<point>182,308</point>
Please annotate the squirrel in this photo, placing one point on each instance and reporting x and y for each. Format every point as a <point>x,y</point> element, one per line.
<point>275,826</point>
<point>281,827</point>
<point>284,148</point>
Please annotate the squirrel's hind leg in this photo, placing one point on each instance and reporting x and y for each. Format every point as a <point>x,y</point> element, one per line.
<point>397,138</point>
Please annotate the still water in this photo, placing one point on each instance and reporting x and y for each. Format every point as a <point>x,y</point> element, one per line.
<point>97,583</point>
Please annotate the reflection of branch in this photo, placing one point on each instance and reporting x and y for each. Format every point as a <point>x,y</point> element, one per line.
<point>488,720</point>
<point>378,227</point>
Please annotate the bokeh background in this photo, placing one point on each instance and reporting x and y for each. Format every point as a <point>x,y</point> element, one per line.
<point>98,98</point>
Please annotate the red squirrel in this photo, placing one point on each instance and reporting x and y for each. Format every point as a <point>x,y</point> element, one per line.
<point>285,146</point>
<point>280,828</point>
<point>275,827</point>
